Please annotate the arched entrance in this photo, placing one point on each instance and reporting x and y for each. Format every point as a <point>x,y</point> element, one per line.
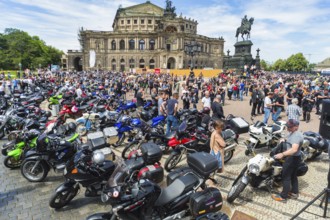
<point>171,63</point>
<point>77,63</point>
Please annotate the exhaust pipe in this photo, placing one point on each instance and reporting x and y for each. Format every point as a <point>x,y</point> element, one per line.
<point>230,147</point>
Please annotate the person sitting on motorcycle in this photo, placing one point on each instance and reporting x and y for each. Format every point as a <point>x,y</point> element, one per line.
<point>292,157</point>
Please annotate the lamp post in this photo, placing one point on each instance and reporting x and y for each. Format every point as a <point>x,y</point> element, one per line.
<point>20,68</point>
<point>192,49</point>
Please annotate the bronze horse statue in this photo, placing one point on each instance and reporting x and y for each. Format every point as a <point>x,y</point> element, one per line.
<point>245,29</point>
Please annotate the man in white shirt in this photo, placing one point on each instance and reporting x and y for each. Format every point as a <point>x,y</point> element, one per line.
<point>268,106</point>
<point>206,100</point>
<point>79,92</point>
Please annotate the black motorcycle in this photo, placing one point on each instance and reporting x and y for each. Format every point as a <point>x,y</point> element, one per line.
<point>50,152</point>
<point>146,200</point>
<point>86,168</point>
<point>314,144</point>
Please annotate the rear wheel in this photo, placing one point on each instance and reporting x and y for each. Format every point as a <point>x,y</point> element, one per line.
<point>34,172</point>
<point>11,163</point>
<point>172,161</point>
<point>236,190</point>
<point>130,148</point>
<point>61,199</point>
<point>228,155</point>
<point>315,155</point>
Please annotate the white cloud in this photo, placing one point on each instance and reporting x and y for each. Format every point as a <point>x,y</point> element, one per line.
<point>281,27</point>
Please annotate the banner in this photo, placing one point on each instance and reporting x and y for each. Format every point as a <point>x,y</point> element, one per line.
<point>92,58</point>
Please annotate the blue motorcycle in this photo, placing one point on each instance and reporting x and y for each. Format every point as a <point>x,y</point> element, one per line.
<point>127,128</point>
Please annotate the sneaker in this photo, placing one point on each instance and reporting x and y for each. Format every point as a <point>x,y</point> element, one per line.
<point>278,198</point>
<point>293,195</point>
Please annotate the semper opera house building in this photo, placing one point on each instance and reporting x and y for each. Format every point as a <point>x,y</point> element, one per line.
<point>146,36</point>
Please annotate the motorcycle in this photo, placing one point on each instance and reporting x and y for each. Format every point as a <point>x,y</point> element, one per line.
<point>314,145</point>
<point>86,168</point>
<point>201,144</point>
<point>144,199</point>
<point>50,152</point>
<point>262,170</point>
<point>262,135</point>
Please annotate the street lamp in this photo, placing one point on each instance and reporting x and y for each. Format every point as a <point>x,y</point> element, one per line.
<point>20,68</point>
<point>192,49</point>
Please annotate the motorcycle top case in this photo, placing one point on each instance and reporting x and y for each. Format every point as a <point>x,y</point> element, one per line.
<point>97,139</point>
<point>203,164</point>
<point>209,200</point>
<point>151,153</point>
<point>239,125</point>
<point>155,173</point>
<point>111,134</point>
<point>173,175</point>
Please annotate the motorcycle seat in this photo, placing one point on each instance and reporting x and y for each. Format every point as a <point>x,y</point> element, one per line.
<point>83,107</point>
<point>180,186</point>
<point>276,128</point>
<point>170,135</point>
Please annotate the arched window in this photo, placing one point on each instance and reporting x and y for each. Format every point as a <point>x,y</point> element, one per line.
<point>131,44</point>
<point>152,44</point>
<point>122,45</point>
<point>131,63</point>
<point>113,45</point>
<point>122,65</point>
<point>141,45</point>
<point>141,63</point>
<point>152,64</point>
<point>113,64</point>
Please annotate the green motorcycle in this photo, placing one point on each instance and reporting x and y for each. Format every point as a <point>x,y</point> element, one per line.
<point>54,100</point>
<point>16,149</point>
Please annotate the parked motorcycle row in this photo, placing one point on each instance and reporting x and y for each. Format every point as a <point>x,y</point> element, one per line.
<point>129,183</point>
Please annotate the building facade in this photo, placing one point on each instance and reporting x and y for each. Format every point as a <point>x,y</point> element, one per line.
<point>146,36</point>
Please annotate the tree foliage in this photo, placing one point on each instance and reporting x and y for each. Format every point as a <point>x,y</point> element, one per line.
<point>17,46</point>
<point>296,62</point>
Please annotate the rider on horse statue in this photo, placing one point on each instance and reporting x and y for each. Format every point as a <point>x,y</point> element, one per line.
<point>245,27</point>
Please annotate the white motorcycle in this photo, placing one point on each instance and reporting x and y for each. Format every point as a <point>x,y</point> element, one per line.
<point>262,135</point>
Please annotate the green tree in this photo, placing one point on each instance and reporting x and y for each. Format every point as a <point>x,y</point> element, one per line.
<point>17,46</point>
<point>280,65</point>
<point>297,62</point>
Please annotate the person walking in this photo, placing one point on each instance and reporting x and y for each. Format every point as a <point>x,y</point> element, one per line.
<point>217,108</point>
<point>293,111</point>
<point>268,106</point>
<point>241,90</point>
<point>292,157</point>
<point>279,106</point>
<point>217,144</point>
<point>206,100</point>
<point>255,100</point>
<point>172,107</point>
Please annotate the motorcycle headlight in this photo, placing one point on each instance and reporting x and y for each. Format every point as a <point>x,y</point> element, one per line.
<point>104,197</point>
<point>254,168</point>
<point>65,171</point>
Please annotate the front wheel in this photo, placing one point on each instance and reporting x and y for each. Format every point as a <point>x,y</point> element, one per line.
<point>236,190</point>
<point>172,161</point>
<point>34,171</point>
<point>61,199</point>
<point>129,149</point>
<point>315,155</point>
<point>11,163</point>
<point>228,155</point>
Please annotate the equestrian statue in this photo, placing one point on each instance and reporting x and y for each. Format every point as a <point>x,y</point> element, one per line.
<point>245,28</point>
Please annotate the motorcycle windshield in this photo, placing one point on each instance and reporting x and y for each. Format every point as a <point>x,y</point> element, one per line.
<point>118,175</point>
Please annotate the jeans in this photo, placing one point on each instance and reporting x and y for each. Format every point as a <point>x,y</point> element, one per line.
<point>234,95</point>
<point>267,114</point>
<point>241,94</point>
<point>172,121</point>
<point>289,176</point>
<point>277,113</point>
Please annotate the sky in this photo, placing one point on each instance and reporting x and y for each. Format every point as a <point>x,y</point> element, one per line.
<point>281,27</point>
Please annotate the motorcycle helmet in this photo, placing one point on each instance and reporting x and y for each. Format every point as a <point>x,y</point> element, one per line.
<point>74,109</point>
<point>98,157</point>
<point>72,127</point>
<point>206,110</point>
<point>33,133</point>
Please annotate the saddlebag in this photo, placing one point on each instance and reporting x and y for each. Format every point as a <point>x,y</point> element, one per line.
<point>111,134</point>
<point>209,200</point>
<point>173,175</point>
<point>239,125</point>
<point>203,164</point>
<point>151,153</point>
<point>97,140</point>
<point>155,173</point>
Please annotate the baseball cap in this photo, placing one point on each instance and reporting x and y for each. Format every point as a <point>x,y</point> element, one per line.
<point>292,123</point>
